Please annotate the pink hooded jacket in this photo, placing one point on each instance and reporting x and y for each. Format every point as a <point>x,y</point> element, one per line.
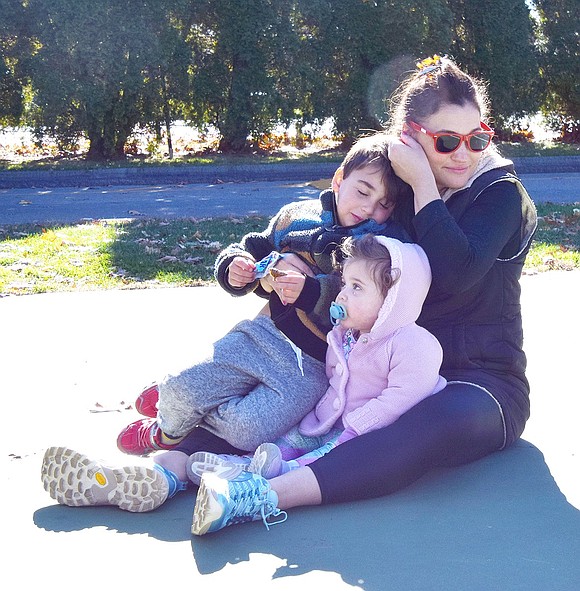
<point>392,367</point>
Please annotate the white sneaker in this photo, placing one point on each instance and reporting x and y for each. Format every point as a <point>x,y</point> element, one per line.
<point>226,466</point>
<point>221,502</point>
<point>267,461</point>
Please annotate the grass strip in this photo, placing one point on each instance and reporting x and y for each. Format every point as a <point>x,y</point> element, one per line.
<point>146,253</point>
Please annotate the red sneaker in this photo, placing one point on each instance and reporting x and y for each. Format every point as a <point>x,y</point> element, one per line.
<point>146,403</point>
<point>141,438</point>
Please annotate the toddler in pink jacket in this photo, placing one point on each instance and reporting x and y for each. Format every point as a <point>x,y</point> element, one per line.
<point>379,363</point>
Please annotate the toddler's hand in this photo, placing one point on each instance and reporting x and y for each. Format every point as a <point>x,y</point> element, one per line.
<point>241,272</point>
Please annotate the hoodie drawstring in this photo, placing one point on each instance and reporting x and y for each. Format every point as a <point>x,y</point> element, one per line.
<point>298,353</point>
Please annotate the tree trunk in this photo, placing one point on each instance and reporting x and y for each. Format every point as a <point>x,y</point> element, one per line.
<point>96,146</point>
<point>237,122</point>
<point>167,117</point>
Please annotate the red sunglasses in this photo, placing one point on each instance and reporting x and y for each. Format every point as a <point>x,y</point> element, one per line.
<point>446,143</point>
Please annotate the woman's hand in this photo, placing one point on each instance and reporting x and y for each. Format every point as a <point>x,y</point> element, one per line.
<point>292,262</point>
<point>410,164</point>
<point>409,160</point>
<point>288,286</point>
<point>241,272</point>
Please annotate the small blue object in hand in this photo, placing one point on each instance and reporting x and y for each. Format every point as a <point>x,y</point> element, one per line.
<point>267,263</point>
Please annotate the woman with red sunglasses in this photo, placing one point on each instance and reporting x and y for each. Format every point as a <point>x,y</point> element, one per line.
<point>475,221</point>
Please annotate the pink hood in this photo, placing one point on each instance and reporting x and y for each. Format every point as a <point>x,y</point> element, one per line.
<point>405,299</point>
<point>391,368</point>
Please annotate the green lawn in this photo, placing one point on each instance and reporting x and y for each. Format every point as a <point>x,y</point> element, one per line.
<point>151,253</point>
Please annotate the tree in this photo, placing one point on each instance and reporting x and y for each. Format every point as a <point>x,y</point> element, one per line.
<point>361,48</point>
<point>560,64</point>
<point>167,81</point>
<point>13,45</point>
<point>98,70</point>
<point>493,39</point>
<point>240,51</point>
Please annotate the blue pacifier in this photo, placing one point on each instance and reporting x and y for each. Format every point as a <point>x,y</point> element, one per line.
<point>337,313</point>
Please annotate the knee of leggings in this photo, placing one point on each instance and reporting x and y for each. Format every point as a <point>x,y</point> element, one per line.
<point>473,414</point>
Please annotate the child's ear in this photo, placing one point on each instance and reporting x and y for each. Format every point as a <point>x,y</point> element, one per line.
<point>337,179</point>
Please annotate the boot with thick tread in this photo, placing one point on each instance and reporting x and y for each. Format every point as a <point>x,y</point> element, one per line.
<point>73,479</point>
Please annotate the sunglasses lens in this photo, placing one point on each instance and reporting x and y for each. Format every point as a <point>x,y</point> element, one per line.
<point>479,142</point>
<point>447,143</point>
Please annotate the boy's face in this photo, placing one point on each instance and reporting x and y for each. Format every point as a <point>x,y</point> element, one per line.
<point>360,296</point>
<point>361,196</point>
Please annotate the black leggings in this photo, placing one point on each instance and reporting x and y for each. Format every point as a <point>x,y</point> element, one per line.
<point>460,424</point>
<point>201,440</point>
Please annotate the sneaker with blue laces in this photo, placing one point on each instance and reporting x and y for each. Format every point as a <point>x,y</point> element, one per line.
<point>221,502</point>
<point>73,479</point>
<point>175,485</point>
<point>266,461</point>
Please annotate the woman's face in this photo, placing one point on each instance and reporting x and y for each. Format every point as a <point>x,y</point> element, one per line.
<point>451,171</point>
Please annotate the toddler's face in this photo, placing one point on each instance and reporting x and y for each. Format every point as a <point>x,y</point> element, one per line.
<point>361,196</point>
<point>360,296</point>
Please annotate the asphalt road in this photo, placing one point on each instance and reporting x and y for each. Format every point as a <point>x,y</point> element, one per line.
<point>199,200</point>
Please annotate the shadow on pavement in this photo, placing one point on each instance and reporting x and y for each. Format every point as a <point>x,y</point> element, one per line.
<point>500,523</point>
<point>170,523</point>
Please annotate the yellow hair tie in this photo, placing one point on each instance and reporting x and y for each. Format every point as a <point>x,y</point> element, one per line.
<point>429,64</point>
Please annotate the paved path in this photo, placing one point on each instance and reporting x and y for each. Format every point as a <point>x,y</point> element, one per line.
<point>71,204</point>
<point>215,173</point>
<point>71,365</point>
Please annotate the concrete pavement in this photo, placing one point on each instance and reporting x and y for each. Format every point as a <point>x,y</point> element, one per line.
<point>73,362</point>
<point>71,365</point>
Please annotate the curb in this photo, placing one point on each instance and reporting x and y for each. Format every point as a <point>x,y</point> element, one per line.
<point>213,174</point>
<point>176,175</point>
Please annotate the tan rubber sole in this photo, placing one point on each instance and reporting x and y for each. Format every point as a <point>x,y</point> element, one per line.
<point>73,479</point>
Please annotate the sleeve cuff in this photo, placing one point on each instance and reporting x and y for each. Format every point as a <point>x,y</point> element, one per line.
<point>309,296</point>
<point>429,216</point>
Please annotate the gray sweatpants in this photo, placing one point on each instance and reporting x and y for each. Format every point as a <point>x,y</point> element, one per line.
<point>250,390</point>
